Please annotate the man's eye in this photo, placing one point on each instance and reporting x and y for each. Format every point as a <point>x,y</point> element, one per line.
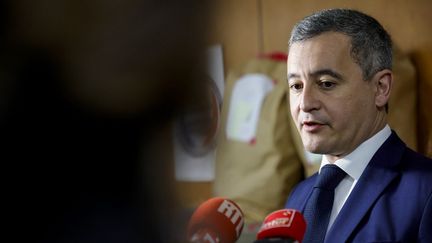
<point>296,87</point>
<point>326,84</point>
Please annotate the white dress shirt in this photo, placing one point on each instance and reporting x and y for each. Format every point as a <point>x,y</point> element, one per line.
<point>354,164</point>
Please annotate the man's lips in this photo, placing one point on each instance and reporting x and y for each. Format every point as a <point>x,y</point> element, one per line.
<point>312,126</point>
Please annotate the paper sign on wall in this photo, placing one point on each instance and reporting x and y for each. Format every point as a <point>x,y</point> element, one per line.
<point>195,134</point>
<point>246,100</point>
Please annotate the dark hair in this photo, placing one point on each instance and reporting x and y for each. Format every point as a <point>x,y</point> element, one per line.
<point>371,44</point>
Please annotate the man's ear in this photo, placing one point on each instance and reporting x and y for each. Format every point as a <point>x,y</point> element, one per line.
<point>384,81</point>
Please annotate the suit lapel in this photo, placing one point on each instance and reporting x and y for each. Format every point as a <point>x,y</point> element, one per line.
<point>381,170</point>
<point>301,194</point>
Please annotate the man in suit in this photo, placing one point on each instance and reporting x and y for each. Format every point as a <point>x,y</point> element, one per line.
<point>339,75</point>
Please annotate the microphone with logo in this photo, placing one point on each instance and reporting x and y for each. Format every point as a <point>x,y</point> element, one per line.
<point>282,226</point>
<point>216,220</point>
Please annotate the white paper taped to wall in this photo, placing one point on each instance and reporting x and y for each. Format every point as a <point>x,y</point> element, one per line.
<point>247,98</point>
<point>195,134</point>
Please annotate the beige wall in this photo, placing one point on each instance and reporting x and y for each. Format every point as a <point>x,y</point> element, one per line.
<point>247,27</point>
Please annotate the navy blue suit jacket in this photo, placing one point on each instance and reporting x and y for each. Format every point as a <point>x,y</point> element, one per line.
<point>391,202</point>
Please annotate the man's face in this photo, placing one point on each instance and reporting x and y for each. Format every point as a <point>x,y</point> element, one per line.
<point>332,106</point>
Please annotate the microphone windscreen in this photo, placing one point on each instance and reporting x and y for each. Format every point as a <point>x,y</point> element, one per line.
<point>284,224</point>
<point>218,218</point>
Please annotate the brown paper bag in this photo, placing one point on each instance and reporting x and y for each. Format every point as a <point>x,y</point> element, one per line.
<point>259,175</point>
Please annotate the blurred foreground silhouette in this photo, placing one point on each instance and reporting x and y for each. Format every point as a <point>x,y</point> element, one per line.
<point>88,91</point>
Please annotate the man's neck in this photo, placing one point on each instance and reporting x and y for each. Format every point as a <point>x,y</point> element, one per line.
<point>332,158</point>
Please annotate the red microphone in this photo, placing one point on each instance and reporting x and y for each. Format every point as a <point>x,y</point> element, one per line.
<point>216,220</point>
<point>285,225</point>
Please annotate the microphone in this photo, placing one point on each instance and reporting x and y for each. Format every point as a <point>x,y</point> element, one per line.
<point>216,220</point>
<point>282,226</point>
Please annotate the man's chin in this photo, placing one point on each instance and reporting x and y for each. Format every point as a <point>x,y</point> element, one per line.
<point>314,145</point>
<point>315,151</point>
<point>315,148</point>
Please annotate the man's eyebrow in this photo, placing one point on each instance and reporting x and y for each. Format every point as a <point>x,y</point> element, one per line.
<point>292,75</point>
<point>328,72</point>
<point>320,72</point>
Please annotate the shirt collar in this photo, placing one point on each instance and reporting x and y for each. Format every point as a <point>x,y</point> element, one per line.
<point>355,163</point>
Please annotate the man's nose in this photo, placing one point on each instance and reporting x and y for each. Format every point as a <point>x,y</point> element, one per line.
<point>309,100</point>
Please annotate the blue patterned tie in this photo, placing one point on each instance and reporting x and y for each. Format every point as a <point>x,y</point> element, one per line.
<point>319,206</point>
